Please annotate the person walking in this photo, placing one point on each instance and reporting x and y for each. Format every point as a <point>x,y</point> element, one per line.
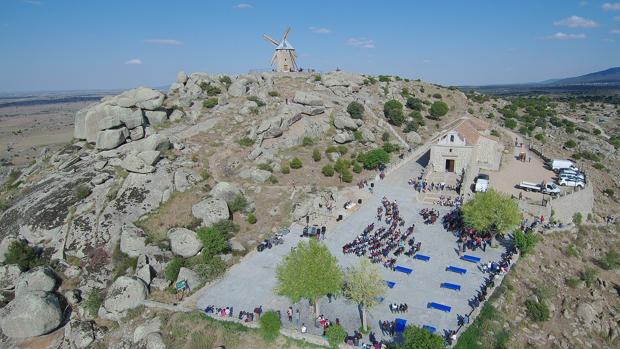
<point>297,318</point>
<point>289,314</point>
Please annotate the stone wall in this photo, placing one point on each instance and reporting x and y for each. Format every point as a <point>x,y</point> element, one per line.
<point>566,205</point>
<point>440,153</point>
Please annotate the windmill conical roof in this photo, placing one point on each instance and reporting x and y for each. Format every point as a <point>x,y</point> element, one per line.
<point>285,45</point>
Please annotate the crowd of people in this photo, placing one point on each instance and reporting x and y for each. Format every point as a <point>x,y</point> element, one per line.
<point>429,215</point>
<point>387,327</point>
<point>422,186</point>
<point>379,245</point>
<point>450,201</point>
<point>398,308</point>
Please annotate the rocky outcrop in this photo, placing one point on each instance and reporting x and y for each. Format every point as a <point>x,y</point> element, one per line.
<point>125,293</point>
<point>210,211</point>
<point>184,178</point>
<point>134,163</point>
<point>184,242</point>
<point>226,191</point>
<point>110,139</point>
<point>193,279</point>
<point>156,117</point>
<point>141,97</point>
<point>255,175</point>
<point>133,240</point>
<point>307,98</point>
<point>4,247</point>
<point>344,122</point>
<point>31,314</point>
<point>344,137</point>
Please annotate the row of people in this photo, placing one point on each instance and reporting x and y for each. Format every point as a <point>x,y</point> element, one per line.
<point>399,308</point>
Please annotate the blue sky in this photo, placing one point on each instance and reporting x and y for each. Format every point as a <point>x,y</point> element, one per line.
<point>79,44</point>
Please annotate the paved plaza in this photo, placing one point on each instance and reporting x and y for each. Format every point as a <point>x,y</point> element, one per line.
<point>251,282</point>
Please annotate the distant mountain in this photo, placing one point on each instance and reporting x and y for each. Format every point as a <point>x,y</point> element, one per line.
<point>609,76</point>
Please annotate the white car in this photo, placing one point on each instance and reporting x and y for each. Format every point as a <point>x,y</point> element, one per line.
<point>572,182</point>
<point>578,175</point>
<point>482,183</point>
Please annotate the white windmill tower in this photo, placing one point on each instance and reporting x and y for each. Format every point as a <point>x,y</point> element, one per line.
<point>284,58</point>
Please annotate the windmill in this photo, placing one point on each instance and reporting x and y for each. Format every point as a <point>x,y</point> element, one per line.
<point>284,58</point>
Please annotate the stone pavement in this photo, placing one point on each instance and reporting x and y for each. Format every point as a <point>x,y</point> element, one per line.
<point>251,282</point>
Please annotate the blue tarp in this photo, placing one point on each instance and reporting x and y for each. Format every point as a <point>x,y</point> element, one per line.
<point>456,269</point>
<point>469,258</point>
<point>429,328</point>
<point>451,286</point>
<point>422,257</point>
<point>403,269</point>
<point>439,306</point>
<point>399,325</point>
<point>390,284</point>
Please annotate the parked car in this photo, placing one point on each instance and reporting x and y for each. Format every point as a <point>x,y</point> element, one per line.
<point>572,182</point>
<point>482,183</point>
<point>569,171</point>
<point>546,188</point>
<point>576,175</point>
<point>557,165</point>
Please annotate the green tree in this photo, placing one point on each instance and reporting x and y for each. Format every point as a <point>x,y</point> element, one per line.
<point>393,111</point>
<point>356,110</point>
<point>310,272</point>
<point>439,109</point>
<point>214,241</point>
<point>525,242</point>
<point>373,158</point>
<point>364,285</point>
<point>23,255</point>
<point>270,326</point>
<point>414,103</point>
<point>296,163</point>
<point>510,123</point>
<point>418,338</point>
<point>335,335</point>
<point>491,212</point>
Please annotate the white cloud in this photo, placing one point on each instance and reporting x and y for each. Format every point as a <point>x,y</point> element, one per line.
<point>576,22</point>
<point>615,31</point>
<point>169,42</point>
<point>135,61</point>
<point>611,6</point>
<point>361,42</point>
<point>243,6</point>
<point>320,30</point>
<point>564,36</point>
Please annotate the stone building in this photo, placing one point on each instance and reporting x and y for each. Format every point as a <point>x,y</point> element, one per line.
<point>465,144</point>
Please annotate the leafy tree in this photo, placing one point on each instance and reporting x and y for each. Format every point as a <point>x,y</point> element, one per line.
<point>355,110</point>
<point>270,326</point>
<point>373,158</point>
<point>335,335</point>
<point>364,285</point>
<point>570,143</point>
<point>418,338</point>
<point>239,203</point>
<point>525,242</point>
<point>390,147</point>
<point>510,123</point>
<point>309,271</point>
<point>296,163</point>
<point>214,241</point>
<point>414,103</point>
<point>393,111</point>
<point>439,109</point>
<point>316,155</point>
<point>537,310</point>
<point>491,212</point>
<point>411,126</point>
<point>328,170</point>
<point>23,255</point>
<point>171,272</point>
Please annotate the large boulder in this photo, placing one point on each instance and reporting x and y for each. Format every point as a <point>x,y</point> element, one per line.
<point>238,88</point>
<point>193,279</point>
<point>82,334</point>
<point>125,293</point>
<point>177,115</point>
<point>255,175</point>
<point>9,275</point>
<point>211,210</point>
<point>110,116</point>
<point>181,77</point>
<point>133,240</point>
<point>226,191</point>
<point>150,157</point>
<point>149,326</point>
<point>184,242</point>
<point>110,139</point>
<point>307,98</point>
<point>31,314</point>
<point>184,178</point>
<point>134,163</point>
<point>154,340</point>
<point>342,122</point>
<point>344,137</point>
<point>156,117</point>
<point>38,279</point>
<point>413,138</point>
<point>341,79</point>
<point>141,97</point>
<point>154,142</point>
<point>79,129</point>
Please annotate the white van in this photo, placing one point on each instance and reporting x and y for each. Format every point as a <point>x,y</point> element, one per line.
<point>556,165</point>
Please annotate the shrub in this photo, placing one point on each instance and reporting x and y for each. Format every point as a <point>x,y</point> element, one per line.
<point>342,149</point>
<point>296,163</point>
<point>609,192</point>
<point>437,95</point>
<point>273,93</point>
<point>525,242</point>
<point>270,326</point>
<point>328,170</point>
<point>411,126</point>
<point>373,158</point>
<point>346,175</point>
<point>239,203</point>
<point>358,136</point>
<point>335,335</point>
<point>210,103</point>
<point>357,168</point>
<point>577,218</point>
<point>355,110</point>
<point>414,103</point>
<point>273,179</point>
<point>610,261</point>
<point>264,167</point>
<point>245,142</point>
<point>214,241</point>
<point>210,89</point>
<point>390,147</point>
<point>93,302</point>
<point>537,310</point>
<point>226,80</point>
<point>384,78</point>
<point>570,144</point>
<point>171,272</point>
<point>571,251</point>
<point>251,218</point>
<point>285,169</point>
<point>307,141</point>
<point>210,268</point>
<point>256,100</point>
<point>596,131</point>
<point>588,276</point>
<point>573,282</point>
<point>316,155</point>
<point>81,191</point>
<point>385,136</point>
<point>439,109</point>
<point>419,338</point>
<point>23,255</point>
<point>317,78</point>
<point>540,137</point>
<point>510,123</point>
<point>393,111</point>
<point>122,262</point>
<point>495,133</point>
